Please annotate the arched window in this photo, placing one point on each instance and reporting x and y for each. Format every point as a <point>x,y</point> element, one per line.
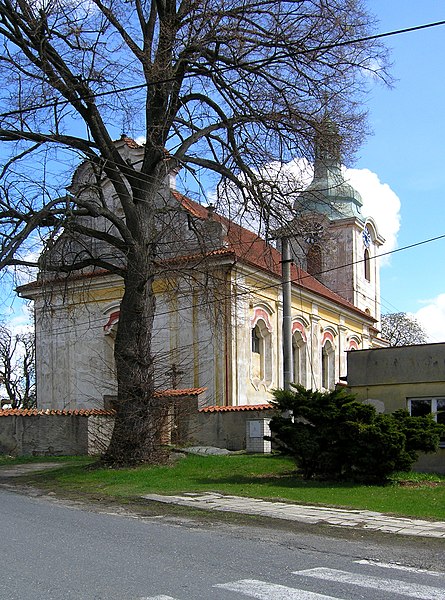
<point>328,366</point>
<point>256,340</point>
<point>261,353</point>
<point>367,265</point>
<point>354,343</point>
<point>314,260</point>
<point>299,358</point>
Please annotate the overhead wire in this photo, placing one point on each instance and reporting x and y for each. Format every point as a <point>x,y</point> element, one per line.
<point>248,291</point>
<point>303,51</point>
<point>55,103</point>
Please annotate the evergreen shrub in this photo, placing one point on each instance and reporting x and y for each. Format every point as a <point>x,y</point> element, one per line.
<point>333,436</point>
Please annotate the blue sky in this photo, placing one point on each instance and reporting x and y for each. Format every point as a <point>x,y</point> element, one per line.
<point>407,153</point>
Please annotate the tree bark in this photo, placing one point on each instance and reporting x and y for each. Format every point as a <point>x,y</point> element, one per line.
<point>139,412</point>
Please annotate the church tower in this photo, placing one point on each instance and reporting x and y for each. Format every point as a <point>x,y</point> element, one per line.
<point>334,241</point>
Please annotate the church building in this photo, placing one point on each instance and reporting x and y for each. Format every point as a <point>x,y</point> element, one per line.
<point>219,310</point>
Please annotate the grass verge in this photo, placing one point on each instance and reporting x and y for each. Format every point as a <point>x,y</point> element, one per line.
<point>259,476</point>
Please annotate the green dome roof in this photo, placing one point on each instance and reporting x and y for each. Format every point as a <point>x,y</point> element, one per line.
<point>328,193</point>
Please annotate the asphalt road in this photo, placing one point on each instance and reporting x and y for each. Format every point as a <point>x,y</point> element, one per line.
<point>51,550</point>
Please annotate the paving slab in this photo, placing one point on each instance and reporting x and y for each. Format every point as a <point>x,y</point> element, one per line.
<point>337,517</point>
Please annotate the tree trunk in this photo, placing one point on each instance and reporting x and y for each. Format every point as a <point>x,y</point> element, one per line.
<point>139,412</point>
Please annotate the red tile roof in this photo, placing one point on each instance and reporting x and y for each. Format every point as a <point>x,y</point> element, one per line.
<point>130,142</point>
<point>178,393</point>
<point>35,412</point>
<point>249,248</point>
<point>244,246</point>
<point>92,412</point>
<point>240,408</point>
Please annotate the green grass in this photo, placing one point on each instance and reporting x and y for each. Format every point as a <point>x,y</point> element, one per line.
<point>259,476</point>
<point>6,460</point>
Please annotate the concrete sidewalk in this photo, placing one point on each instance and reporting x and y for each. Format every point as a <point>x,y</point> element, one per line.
<point>338,517</point>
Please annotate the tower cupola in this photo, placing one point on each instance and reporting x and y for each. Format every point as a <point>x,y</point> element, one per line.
<point>329,194</point>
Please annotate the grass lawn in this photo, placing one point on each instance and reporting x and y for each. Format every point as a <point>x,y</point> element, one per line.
<point>259,476</point>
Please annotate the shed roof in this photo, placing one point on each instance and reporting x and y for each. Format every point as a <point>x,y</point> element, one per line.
<point>239,408</point>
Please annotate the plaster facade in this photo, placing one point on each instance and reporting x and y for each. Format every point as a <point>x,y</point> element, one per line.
<point>219,308</point>
<point>408,377</point>
<point>197,343</point>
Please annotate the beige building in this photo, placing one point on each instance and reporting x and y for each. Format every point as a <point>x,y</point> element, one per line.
<point>219,305</point>
<point>409,377</point>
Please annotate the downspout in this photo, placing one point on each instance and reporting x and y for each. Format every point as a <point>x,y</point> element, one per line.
<point>287,314</point>
<point>228,338</point>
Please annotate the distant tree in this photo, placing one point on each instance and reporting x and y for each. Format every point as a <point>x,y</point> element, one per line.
<point>332,436</point>
<point>17,371</point>
<point>400,329</point>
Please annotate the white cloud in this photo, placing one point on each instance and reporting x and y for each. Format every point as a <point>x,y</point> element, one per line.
<point>379,202</point>
<point>432,318</point>
<point>21,321</point>
<point>18,318</point>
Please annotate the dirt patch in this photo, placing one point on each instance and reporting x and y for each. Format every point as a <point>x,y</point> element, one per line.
<point>419,484</point>
<point>26,469</point>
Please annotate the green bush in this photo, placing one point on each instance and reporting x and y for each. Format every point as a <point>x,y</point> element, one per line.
<point>332,436</point>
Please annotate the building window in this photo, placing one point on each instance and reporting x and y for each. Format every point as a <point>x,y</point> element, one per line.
<point>353,343</point>
<point>256,340</point>
<point>419,407</point>
<point>299,358</point>
<point>367,265</point>
<point>261,354</point>
<point>328,366</point>
<point>314,260</point>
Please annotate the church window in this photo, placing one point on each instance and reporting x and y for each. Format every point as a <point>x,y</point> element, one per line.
<point>328,366</point>
<point>354,344</point>
<point>299,358</point>
<point>367,265</point>
<point>256,340</point>
<point>261,352</point>
<point>314,260</point>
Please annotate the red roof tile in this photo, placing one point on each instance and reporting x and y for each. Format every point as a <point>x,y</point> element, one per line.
<point>240,408</point>
<point>251,249</point>
<point>130,142</point>
<point>178,393</point>
<point>244,246</point>
<point>91,412</point>
<point>35,412</point>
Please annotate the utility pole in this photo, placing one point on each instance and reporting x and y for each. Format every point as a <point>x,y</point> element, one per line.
<point>287,314</point>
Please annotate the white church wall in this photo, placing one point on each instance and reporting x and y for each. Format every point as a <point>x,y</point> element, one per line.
<point>72,369</point>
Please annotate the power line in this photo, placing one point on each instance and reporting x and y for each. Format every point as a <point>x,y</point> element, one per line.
<point>325,47</point>
<point>379,35</point>
<point>55,103</point>
<point>248,291</point>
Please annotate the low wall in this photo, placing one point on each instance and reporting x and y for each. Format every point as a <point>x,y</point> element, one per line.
<point>431,463</point>
<point>65,433</point>
<point>225,426</point>
<point>54,433</point>
<point>71,432</point>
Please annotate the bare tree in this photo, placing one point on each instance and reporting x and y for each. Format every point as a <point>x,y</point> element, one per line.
<point>17,355</point>
<point>219,86</point>
<point>401,329</point>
